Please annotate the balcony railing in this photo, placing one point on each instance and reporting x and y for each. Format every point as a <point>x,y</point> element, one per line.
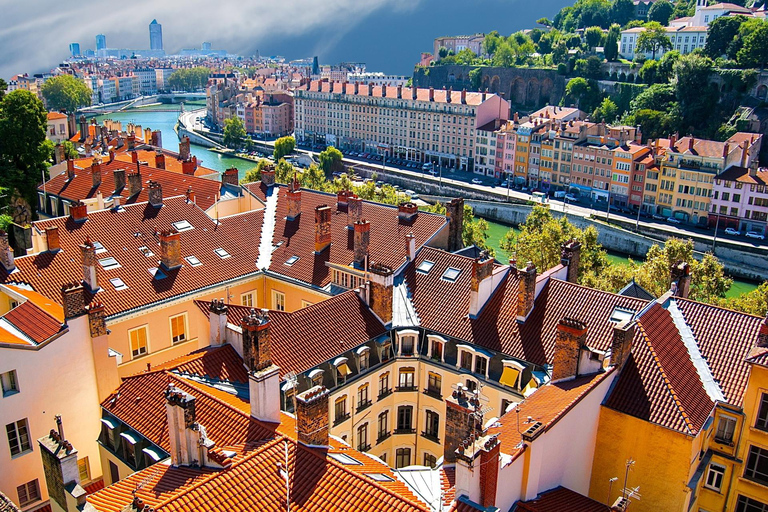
<point>363,405</point>
<point>406,388</point>
<point>384,393</point>
<point>383,437</point>
<point>434,393</point>
<point>404,431</point>
<point>340,418</point>
<point>431,437</point>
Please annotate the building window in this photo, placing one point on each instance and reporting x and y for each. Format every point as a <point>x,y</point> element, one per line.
<point>745,504</point>
<point>362,438</point>
<point>305,304</point>
<point>432,426</point>
<point>405,383</point>
<point>278,300</point>
<point>504,404</point>
<point>246,299</point>
<point>471,385</point>
<point>364,359</point>
<point>466,360</point>
<point>757,465</point>
<point>28,493</point>
<point>434,384</point>
<point>762,413</point>
<point>341,409</point>
<point>384,385</point>
<point>406,345</point>
<point>84,468</point>
<point>383,426</point>
<point>429,460</point>
<point>402,457</point>
<point>715,475</point>
<point>138,339</point>
<point>10,383</point>
<point>725,427</point>
<point>114,472</point>
<point>18,437</point>
<point>179,328</point>
<point>362,397</point>
<point>404,418</point>
<point>436,350</point>
<point>481,365</point>
<point>129,448</point>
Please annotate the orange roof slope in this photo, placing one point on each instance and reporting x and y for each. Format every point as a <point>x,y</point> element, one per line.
<point>172,162</point>
<point>422,94</point>
<point>561,499</point>
<point>34,322</point>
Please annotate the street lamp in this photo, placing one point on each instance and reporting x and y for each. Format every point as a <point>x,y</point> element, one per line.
<point>714,237</point>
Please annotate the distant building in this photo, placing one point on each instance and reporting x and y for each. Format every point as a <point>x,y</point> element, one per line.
<point>155,36</point>
<point>457,43</point>
<point>147,80</point>
<point>57,127</point>
<point>74,49</point>
<point>206,46</point>
<point>377,79</point>
<point>161,78</point>
<point>101,42</point>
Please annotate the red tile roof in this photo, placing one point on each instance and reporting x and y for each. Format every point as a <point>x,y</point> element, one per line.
<point>561,499</point>
<point>221,363</point>
<point>744,175</point>
<point>422,94</point>
<point>34,322</point>
<point>56,115</point>
<point>352,325</point>
<point>174,184</point>
<point>172,163</point>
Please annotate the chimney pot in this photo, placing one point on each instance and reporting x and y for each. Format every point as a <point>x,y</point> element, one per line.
<point>119,176</point>
<point>170,249</point>
<point>410,246</point>
<point>312,417</point>
<point>78,211</point>
<point>159,159</point>
<point>571,336</point>
<point>73,300</point>
<point>681,279</point>
<point>52,238</point>
<point>155,194</point>
<point>322,227</point>
<point>621,347</point>
<point>70,169</point>
<point>88,260</point>
<point>96,173</point>
<point>527,293</point>
<point>362,237</point>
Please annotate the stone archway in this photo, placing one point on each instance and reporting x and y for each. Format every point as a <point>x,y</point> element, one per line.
<point>546,91</point>
<point>532,92</point>
<point>762,92</point>
<point>495,83</point>
<point>486,83</point>
<point>517,92</point>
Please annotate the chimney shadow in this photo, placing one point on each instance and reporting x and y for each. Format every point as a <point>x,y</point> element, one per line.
<point>350,239</point>
<point>165,284</point>
<point>150,212</point>
<point>308,469</point>
<point>291,228</point>
<point>319,269</point>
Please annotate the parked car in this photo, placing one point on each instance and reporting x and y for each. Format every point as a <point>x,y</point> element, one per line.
<point>571,198</point>
<point>434,172</point>
<point>755,234</point>
<point>505,183</point>
<point>673,220</point>
<point>731,231</point>
<point>477,181</point>
<point>657,217</point>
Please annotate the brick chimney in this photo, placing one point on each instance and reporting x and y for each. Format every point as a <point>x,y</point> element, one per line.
<point>52,238</point>
<point>342,199</point>
<point>460,420</point>
<point>155,194</point>
<point>88,260</point>
<point>78,211</point>
<point>170,249</point>
<point>414,92</point>
<point>481,286</point>
<point>97,323</point>
<point>134,156</point>
<point>406,212</point>
<point>431,94</point>
<point>268,175</point>
<point>571,336</point>
<point>690,143</point>
<point>527,293</point>
<point>70,169</point>
<point>159,159</point>
<point>463,96</point>
<point>293,195</point>
<point>726,150</point>
<point>190,194</point>
<point>131,142</point>
<point>59,155</point>
<point>184,149</point>
<point>744,153</point>
<point>571,256</point>
<point>681,279</point>
<point>354,210</point>
<point>322,227</point>
<point>157,139</point>
<point>621,347</point>
<point>381,290</point>
<point>96,173</point>
<point>119,176</point>
<point>410,246</point>
<point>230,177</point>
<point>62,476</point>
<point>312,417</point>
<point>361,240</point>
<point>490,455</point>
<point>72,300</point>
<point>189,444</point>
<point>134,184</point>
<point>263,375</point>
<point>370,89</point>
<point>455,213</point>
<point>218,322</point>
<point>400,92</point>
<point>672,141</point>
<point>6,253</point>
<point>188,167</point>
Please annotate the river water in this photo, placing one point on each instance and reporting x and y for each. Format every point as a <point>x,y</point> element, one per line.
<point>160,118</point>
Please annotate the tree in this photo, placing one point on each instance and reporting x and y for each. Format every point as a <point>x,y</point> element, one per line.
<point>284,146</point>
<point>593,36</point>
<point>655,97</point>
<point>622,11</point>
<point>3,88</point>
<point>653,123</point>
<point>24,150</point>
<point>70,152</point>
<point>189,79</point>
<point>611,48</point>
<point>754,302</point>
<point>754,51</point>
<point>474,230</point>
<point>504,56</point>
<point>591,67</point>
<point>465,57</point>
<point>691,74</point>
<point>442,52</point>
<point>721,33</point>
<point>66,93</point>
<point>661,11</point>
<point>653,39</point>
<point>545,22</point>
<point>649,71</point>
<point>254,174</point>
<point>330,160</point>
<point>234,132</point>
<point>475,77</point>
<point>491,42</point>
<point>606,112</point>
<point>584,92</point>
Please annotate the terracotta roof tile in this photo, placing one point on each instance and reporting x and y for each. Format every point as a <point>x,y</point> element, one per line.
<point>422,94</point>
<point>561,499</point>
<point>30,319</point>
<point>172,163</point>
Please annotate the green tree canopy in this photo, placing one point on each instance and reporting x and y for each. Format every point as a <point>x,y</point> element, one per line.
<point>622,11</point>
<point>721,34</point>
<point>284,146</point>
<point>189,79</point>
<point>649,72</point>
<point>661,11</point>
<point>754,50</point>
<point>653,39</point>
<point>611,48</point>
<point>234,132</point>
<point>583,92</point>
<point>691,74</point>
<point>66,93</point>
<point>606,112</point>
<point>655,97</point>
<point>491,42</point>
<point>330,160</point>
<point>593,36</point>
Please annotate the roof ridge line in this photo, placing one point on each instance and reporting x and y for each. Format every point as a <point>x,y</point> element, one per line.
<point>667,382</point>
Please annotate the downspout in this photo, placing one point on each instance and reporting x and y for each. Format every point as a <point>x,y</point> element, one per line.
<point>738,445</point>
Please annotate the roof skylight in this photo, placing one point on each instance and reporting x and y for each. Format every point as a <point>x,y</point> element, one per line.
<point>109,263</point>
<point>146,251</point>
<point>620,314</point>
<point>425,266</point>
<point>345,459</point>
<point>182,225</point>
<point>118,283</point>
<point>379,477</point>
<point>192,260</point>
<point>290,261</point>
<point>99,247</point>
<point>451,274</point>
<point>221,253</point>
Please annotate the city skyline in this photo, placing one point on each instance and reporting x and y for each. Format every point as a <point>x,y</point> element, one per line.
<point>407,28</point>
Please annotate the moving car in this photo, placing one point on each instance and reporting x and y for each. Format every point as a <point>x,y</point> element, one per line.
<point>571,198</point>
<point>731,231</point>
<point>673,220</point>
<point>755,234</point>
<point>477,181</point>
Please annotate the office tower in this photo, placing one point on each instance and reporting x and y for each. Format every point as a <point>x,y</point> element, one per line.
<point>101,42</point>
<point>206,46</point>
<point>155,36</point>
<point>74,49</point>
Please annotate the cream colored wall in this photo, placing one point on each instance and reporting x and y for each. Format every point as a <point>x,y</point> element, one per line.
<point>66,386</point>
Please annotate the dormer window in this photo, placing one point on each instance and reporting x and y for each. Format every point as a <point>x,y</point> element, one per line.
<point>363,358</point>
<point>316,376</point>
<point>407,342</point>
<point>511,375</point>
<point>473,360</point>
<point>435,347</point>
<point>342,370</point>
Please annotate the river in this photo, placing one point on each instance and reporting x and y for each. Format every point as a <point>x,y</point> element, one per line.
<point>159,118</point>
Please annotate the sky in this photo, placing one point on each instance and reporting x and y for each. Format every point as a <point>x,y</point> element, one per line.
<point>388,35</point>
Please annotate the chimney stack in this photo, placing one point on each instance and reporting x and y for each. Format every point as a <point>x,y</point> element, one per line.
<point>370,89</point>
<point>322,227</point>
<point>414,92</point>
<point>744,153</point>
<point>361,240</point>
<point>263,375</point>
<point>463,96</point>
<point>726,150</point>
<point>461,422</point>
<point>188,166</point>
<point>59,154</point>
<point>571,256</point>
<point>96,173</point>
<point>159,159</point>
<point>431,94</point>
<point>134,156</point>
<point>157,139</point>
<point>681,279</point>
<point>190,194</point>
<point>218,322</point>
<point>73,300</point>
<point>527,294</point>
<point>134,184</point>
<point>78,211</point>
<point>312,417</point>
<point>119,176</point>
<point>52,238</point>
<point>83,128</point>
<point>189,445</point>
<point>97,322</point>
<point>354,210</point>
<point>342,199</point>
<point>6,253</point>
<point>70,169</point>
<point>571,336</point>
<point>268,175</point>
<point>184,149</point>
<point>230,177</point>
<point>155,194</point>
<point>62,476</point>
<point>481,286</point>
<point>293,195</point>
<point>131,142</point>
<point>762,336</point>
<point>383,90</point>
<point>170,249</point>
<point>621,347</point>
<point>672,141</point>
<point>455,213</point>
<point>690,143</point>
<point>381,291</point>
<point>410,246</point>
<point>448,94</point>
<point>406,212</point>
<point>399,92</point>
<point>88,260</point>
<point>357,88</point>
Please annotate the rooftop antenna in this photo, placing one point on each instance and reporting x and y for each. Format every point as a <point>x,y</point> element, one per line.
<point>627,492</point>
<point>292,380</point>
<point>610,487</point>
<point>283,470</point>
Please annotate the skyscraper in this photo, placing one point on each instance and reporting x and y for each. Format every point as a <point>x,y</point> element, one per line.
<point>101,42</point>
<point>155,36</point>
<point>74,49</point>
